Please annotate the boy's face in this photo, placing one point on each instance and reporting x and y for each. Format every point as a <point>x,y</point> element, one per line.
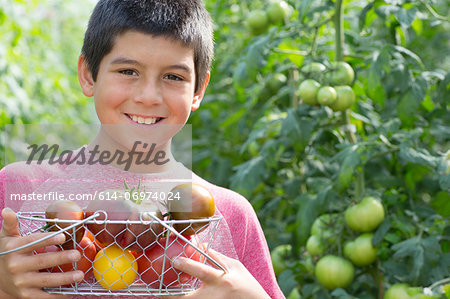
<point>145,80</point>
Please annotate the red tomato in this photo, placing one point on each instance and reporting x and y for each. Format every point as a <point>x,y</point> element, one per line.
<point>88,251</point>
<point>91,237</point>
<point>65,210</point>
<point>150,263</point>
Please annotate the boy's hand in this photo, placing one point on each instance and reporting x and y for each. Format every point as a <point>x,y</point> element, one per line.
<point>20,277</point>
<point>237,283</point>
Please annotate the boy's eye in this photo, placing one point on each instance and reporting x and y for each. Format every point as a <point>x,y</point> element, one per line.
<point>173,77</point>
<point>128,72</point>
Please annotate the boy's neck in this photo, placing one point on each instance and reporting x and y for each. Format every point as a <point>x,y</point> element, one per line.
<point>135,156</point>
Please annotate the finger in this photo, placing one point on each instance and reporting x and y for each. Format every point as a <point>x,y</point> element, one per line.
<point>10,224</point>
<point>58,239</point>
<point>47,280</point>
<point>43,261</point>
<point>203,272</point>
<point>221,259</point>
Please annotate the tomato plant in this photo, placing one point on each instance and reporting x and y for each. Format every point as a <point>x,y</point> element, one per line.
<point>278,11</point>
<point>115,268</point>
<point>155,263</point>
<point>398,291</point>
<point>313,70</point>
<point>384,137</point>
<point>314,245</point>
<point>341,73</point>
<point>326,95</point>
<point>345,97</point>
<point>334,272</point>
<point>279,255</point>
<point>308,90</point>
<point>361,251</point>
<point>257,21</point>
<point>365,216</point>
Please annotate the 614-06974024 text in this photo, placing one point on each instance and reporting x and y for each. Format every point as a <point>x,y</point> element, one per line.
<point>55,195</point>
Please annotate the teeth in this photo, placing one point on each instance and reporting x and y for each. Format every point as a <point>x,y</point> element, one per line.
<point>143,120</point>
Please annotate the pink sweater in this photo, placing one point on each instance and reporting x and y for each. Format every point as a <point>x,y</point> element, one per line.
<point>239,234</point>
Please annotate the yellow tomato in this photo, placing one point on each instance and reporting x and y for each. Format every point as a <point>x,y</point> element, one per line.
<point>115,268</point>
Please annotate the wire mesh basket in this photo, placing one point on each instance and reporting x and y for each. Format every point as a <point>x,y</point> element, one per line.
<point>132,258</point>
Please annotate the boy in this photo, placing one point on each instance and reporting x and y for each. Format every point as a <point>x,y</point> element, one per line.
<point>146,63</point>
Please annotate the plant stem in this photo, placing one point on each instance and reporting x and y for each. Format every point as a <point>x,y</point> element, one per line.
<point>339,27</point>
<point>359,184</point>
<point>339,40</point>
<point>294,77</point>
<point>380,280</point>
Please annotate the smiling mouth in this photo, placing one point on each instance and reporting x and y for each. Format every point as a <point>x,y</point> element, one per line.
<point>143,120</point>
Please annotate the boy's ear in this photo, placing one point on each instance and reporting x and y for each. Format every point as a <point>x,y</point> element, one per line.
<point>85,77</point>
<point>198,96</point>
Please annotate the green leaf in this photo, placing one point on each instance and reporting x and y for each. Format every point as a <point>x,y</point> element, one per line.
<point>350,159</point>
<point>303,8</point>
<point>363,14</point>
<point>341,294</point>
<point>256,56</point>
<point>240,76</point>
<point>296,130</point>
<point>419,88</point>
<point>287,281</point>
<point>419,156</point>
<point>386,10</point>
<point>407,109</point>
<point>381,231</point>
<point>428,103</point>
<point>441,269</point>
<point>248,175</point>
<point>374,87</point>
<point>309,208</point>
<point>406,248</point>
<point>405,16</point>
<point>432,249</point>
<point>444,181</point>
<point>233,118</point>
<point>441,203</point>
<point>409,53</point>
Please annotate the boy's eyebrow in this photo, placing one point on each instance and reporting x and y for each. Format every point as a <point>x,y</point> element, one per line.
<point>123,60</point>
<point>180,66</point>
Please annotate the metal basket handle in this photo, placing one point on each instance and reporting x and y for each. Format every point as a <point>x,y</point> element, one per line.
<point>51,235</point>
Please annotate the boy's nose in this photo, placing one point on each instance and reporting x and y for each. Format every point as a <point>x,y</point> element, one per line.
<point>149,93</point>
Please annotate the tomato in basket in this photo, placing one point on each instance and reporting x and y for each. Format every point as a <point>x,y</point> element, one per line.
<point>153,264</point>
<point>65,210</point>
<point>87,250</point>
<point>120,207</point>
<point>90,235</point>
<point>192,201</point>
<point>115,268</point>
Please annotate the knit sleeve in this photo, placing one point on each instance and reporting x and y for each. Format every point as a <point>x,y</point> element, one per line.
<point>249,241</point>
